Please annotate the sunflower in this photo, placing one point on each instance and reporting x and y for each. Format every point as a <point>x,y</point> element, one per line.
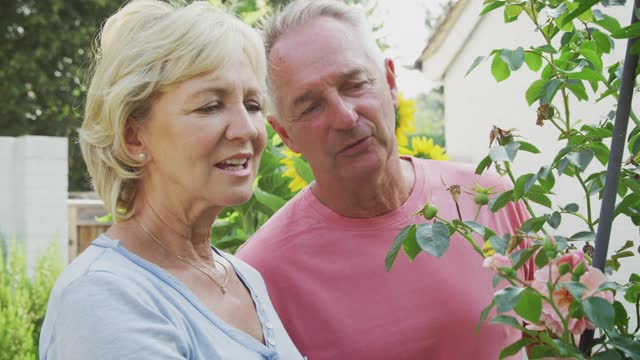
<point>297,182</point>
<point>405,119</point>
<point>422,147</point>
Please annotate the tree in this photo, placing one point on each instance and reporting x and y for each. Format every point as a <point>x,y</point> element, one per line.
<point>46,47</point>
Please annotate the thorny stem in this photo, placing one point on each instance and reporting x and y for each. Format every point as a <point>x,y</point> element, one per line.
<point>465,234</point>
<point>475,218</point>
<point>524,200</point>
<point>588,196</point>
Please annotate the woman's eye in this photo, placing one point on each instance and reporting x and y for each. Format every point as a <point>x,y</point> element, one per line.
<point>253,106</point>
<point>209,108</point>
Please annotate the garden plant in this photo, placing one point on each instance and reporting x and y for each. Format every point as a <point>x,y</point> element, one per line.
<point>568,296</point>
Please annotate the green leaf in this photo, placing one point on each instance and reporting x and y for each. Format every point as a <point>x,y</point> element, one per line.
<point>507,298</point>
<point>603,41</point>
<point>511,12</point>
<point>529,307</point>
<point>539,198</point>
<point>477,228</point>
<point>500,201</point>
<point>575,288</point>
<point>584,6</point>
<point>601,152</point>
<point>630,201</point>
<point>550,90</point>
<point>499,243</point>
<point>607,355</point>
<point>533,61</point>
<point>627,32</point>
<point>406,232</point>
<point>548,182</point>
<point>520,257</point>
<point>504,153</point>
<point>593,58</point>
<point>520,187</point>
<point>515,347</point>
<point>535,91</point>
<point>411,247</point>
<point>599,311</point>
<point>303,169</point>
<point>572,208</point>
<point>629,347</point>
<point>587,74</point>
<point>583,236</point>
<point>554,219</point>
<point>499,68</point>
<point>483,165</point>
<point>578,89</point>
<point>514,58</point>
<point>581,159</point>
<point>622,318</point>
<point>609,23</point>
<point>476,62</point>
<point>492,6</point>
<point>525,146</point>
<point>533,224</point>
<point>483,316</point>
<point>433,239</point>
<point>272,201</point>
<point>510,321</point>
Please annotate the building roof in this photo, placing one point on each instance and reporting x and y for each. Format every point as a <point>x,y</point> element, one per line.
<point>449,38</point>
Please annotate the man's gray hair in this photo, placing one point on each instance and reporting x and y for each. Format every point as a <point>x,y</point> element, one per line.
<point>301,12</point>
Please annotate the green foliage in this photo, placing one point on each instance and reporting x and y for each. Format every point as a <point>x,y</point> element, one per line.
<point>46,47</point>
<point>23,299</point>
<point>570,67</point>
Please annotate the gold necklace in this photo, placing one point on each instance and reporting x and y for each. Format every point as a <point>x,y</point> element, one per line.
<point>223,287</point>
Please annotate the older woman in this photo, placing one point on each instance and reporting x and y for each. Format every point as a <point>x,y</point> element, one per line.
<point>173,133</point>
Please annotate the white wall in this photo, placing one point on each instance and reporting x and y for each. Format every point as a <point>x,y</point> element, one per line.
<point>33,192</point>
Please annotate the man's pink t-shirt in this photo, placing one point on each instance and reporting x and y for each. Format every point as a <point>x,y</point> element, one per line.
<point>326,276</point>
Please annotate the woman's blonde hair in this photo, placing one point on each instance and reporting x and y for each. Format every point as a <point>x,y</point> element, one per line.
<point>144,49</point>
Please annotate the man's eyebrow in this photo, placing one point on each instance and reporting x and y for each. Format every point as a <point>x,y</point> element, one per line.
<point>354,74</point>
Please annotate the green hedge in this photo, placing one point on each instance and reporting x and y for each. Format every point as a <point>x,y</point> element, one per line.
<point>23,299</point>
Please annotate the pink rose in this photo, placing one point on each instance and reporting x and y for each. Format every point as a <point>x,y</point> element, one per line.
<point>496,261</point>
<point>591,279</point>
<point>573,258</point>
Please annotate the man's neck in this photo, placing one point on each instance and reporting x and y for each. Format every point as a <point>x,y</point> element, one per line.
<point>380,194</point>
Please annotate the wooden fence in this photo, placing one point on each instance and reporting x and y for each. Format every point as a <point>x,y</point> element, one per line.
<point>83,226</point>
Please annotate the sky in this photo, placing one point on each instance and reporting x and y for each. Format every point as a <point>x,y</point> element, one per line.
<point>405,31</point>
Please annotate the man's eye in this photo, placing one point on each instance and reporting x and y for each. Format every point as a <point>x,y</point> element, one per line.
<point>309,109</point>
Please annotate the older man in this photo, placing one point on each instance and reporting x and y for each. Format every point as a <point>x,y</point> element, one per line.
<point>322,255</point>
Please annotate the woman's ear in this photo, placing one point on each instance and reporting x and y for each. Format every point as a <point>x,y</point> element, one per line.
<point>283,133</point>
<point>133,138</point>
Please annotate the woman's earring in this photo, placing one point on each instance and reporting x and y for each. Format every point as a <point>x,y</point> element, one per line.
<point>142,157</point>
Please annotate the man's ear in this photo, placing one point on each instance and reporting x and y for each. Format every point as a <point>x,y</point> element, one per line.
<point>390,74</point>
<point>283,133</point>
<point>133,138</point>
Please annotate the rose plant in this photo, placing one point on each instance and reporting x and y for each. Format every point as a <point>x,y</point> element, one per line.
<point>566,295</point>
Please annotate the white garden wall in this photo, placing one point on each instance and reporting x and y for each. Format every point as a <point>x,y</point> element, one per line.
<point>33,193</point>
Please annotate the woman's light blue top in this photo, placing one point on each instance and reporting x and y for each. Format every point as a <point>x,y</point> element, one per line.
<point>112,304</point>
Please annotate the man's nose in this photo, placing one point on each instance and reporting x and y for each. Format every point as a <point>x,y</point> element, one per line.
<point>344,114</point>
